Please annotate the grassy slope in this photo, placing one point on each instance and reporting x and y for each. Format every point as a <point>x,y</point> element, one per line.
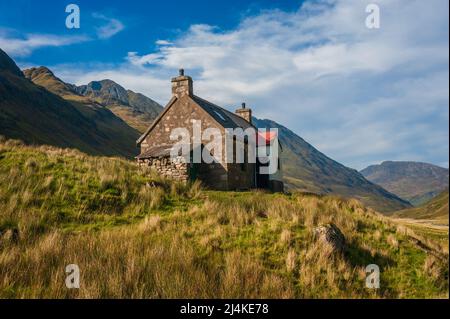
<point>172,240</point>
<point>435,210</point>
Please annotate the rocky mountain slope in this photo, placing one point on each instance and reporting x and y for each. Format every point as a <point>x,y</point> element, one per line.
<point>37,116</point>
<point>413,181</point>
<point>307,169</point>
<point>135,108</point>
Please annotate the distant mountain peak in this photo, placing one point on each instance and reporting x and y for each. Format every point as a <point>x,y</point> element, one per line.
<point>107,91</point>
<point>43,76</point>
<point>41,69</point>
<point>134,108</point>
<point>7,64</point>
<point>416,182</point>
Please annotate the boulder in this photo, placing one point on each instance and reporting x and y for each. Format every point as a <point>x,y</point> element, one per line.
<point>330,235</point>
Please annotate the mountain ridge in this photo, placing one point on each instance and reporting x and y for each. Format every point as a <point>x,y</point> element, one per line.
<point>416,182</point>
<point>135,109</point>
<point>32,113</point>
<point>307,169</point>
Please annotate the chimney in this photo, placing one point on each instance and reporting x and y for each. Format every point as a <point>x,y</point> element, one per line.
<point>182,85</point>
<point>245,113</point>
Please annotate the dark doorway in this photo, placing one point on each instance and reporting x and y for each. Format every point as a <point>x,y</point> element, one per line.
<point>262,180</point>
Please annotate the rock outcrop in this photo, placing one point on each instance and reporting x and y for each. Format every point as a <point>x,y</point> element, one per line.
<point>330,235</point>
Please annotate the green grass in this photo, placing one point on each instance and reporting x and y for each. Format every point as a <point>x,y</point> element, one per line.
<point>179,241</point>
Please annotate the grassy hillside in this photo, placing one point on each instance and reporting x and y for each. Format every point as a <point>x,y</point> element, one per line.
<point>136,235</point>
<point>413,181</point>
<point>435,210</point>
<point>305,168</point>
<point>35,115</point>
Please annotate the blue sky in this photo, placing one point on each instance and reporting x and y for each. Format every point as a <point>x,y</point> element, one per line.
<point>359,95</point>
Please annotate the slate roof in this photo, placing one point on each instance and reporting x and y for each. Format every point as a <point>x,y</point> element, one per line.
<point>222,116</point>
<point>225,118</point>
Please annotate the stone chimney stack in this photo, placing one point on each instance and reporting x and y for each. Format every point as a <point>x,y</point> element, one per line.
<point>245,113</point>
<point>182,85</point>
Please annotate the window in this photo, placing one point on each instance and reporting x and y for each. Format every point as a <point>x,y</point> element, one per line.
<point>220,115</point>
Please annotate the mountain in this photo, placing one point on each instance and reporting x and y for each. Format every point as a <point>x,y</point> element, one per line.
<point>413,181</point>
<point>137,110</point>
<point>44,77</point>
<point>134,108</point>
<point>8,65</point>
<point>37,116</point>
<point>307,169</point>
<point>436,209</point>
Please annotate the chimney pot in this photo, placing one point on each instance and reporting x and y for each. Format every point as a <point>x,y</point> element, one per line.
<point>245,113</point>
<point>182,85</point>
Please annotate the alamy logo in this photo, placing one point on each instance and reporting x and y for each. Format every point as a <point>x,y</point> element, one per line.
<point>73,19</point>
<point>373,276</point>
<point>239,145</point>
<point>73,277</point>
<point>373,19</point>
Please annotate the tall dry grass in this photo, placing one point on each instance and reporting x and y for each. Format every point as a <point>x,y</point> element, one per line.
<point>136,235</point>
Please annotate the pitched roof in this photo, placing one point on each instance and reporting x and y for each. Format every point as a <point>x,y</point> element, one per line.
<point>223,117</point>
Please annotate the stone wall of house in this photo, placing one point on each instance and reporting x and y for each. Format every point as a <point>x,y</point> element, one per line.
<point>181,114</point>
<point>176,170</point>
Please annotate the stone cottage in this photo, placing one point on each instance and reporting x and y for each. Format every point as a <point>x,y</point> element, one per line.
<point>186,110</point>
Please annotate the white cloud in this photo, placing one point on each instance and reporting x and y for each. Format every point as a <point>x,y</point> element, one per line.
<point>23,46</point>
<point>111,28</point>
<point>163,42</point>
<point>360,95</point>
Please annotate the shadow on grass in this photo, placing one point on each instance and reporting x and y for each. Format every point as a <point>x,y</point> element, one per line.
<point>361,257</point>
<point>358,256</point>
